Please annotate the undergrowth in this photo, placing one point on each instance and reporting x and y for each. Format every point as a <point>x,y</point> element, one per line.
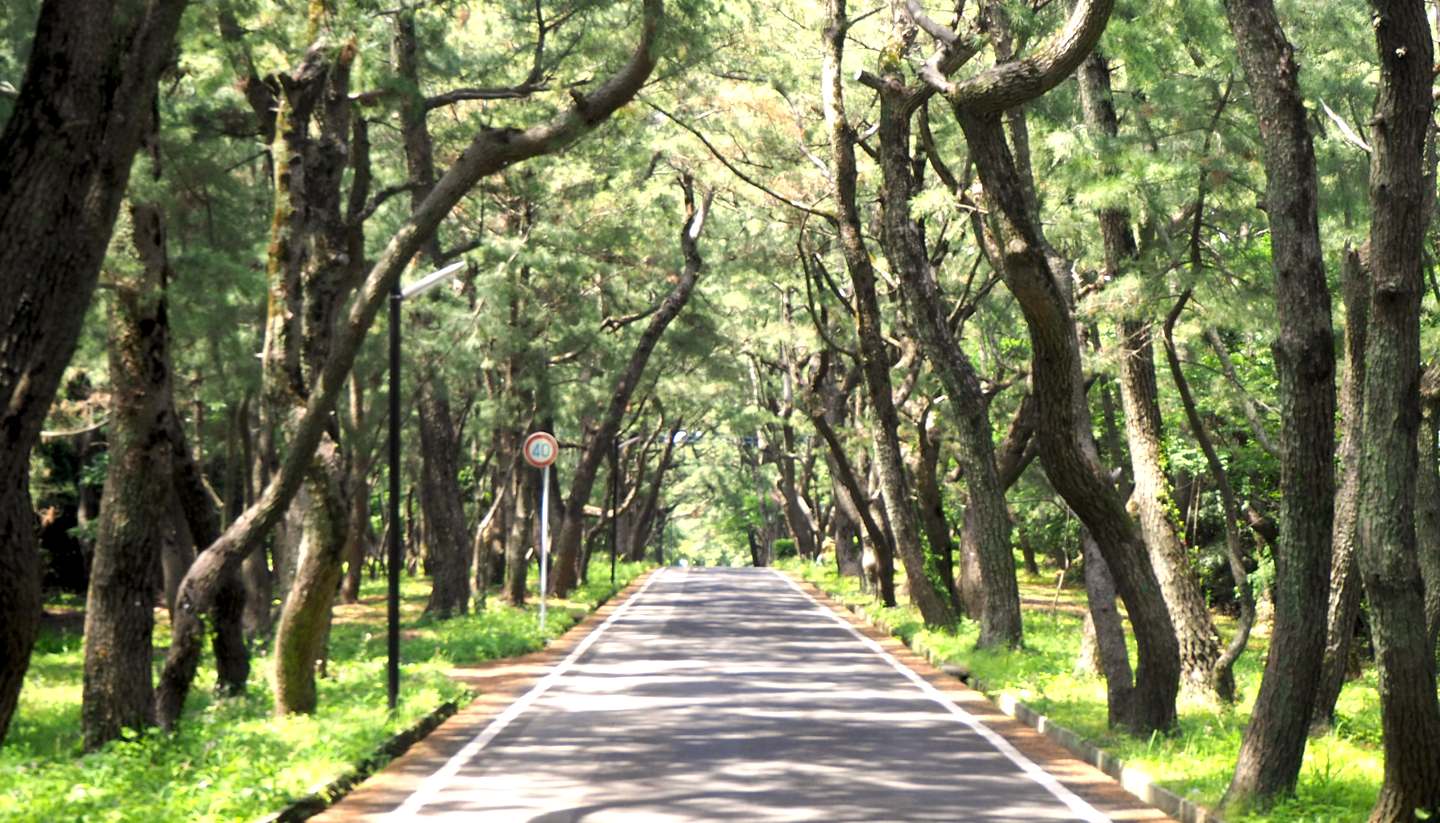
<point>231,759</point>
<point>1342,772</point>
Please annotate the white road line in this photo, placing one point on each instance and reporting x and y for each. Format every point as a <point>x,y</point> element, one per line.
<point>437,781</point>
<point>1026,765</point>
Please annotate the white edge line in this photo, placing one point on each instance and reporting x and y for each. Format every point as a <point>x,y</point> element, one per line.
<point>436,781</point>
<point>1028,766</point>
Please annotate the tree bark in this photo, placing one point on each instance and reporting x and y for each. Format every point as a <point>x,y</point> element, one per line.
<point>1150,499</point>
<point>65,157</point>
<point>1274,742</point>
<point>1234,548</point>
<point>440,499</point>
<point>1066,442</point>
<point>1109,628</point>
<point>1427,502</point>
<point>135,509</point>
<point>1344,601</point>
<point>987,520</point>
<point>599,443</point>
<point>934,607</point>
<point>1401,191</point>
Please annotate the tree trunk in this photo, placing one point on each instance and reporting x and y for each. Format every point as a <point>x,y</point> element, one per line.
<point>934,607</point>
<point>64,177</point>
<point>1274,742</point>
<point>1066,442</point>
<point>1401,192</point>
<point>135,510</point>
<point>987,520</point>
<point>440,500</point>
<point>602,440</point>
<point>490,150</point>
<point>1221,672</point>
<point>855,502</point>
<point>1150,499</point>
<point>1109,631</point>
<point>517,541</point>
<point>1427,502</point>
<point>1344,608</point>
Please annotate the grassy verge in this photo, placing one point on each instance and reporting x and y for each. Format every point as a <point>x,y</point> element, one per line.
<point>233,760</point>
<point>1342,770</point>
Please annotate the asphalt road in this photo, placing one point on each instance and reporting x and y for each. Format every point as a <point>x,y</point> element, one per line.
<point>729,694</point>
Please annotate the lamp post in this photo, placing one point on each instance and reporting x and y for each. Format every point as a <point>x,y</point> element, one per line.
<point>398,296</point>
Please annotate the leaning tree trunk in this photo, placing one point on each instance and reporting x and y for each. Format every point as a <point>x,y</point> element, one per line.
<point>1274,742</point>
<point>1344,603</point>
<point>64,177</point>
<point>119,618</point>
<point>440,498</point>
<point>1066,442</point>
<point>874,358</point>
<point>490,151</point>
<point>987,520</point>
<point>1401,191</point>
<point>1151,500</point>
<point>601,441</point>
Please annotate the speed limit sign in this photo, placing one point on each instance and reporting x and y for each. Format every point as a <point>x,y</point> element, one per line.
<point>541,449</point>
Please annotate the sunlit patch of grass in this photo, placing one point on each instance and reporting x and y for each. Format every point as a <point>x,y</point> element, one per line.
<point>232,759</point>
<point>1342,771</point>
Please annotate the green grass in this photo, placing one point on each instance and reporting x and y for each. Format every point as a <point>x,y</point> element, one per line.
<point>231,758</point>
<point>1342,771</point>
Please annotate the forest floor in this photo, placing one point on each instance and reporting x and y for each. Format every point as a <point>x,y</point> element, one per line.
<point>1342,770</point>
<point>231,758</point>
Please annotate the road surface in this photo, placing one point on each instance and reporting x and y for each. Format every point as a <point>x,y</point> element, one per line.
<point>729,694</point>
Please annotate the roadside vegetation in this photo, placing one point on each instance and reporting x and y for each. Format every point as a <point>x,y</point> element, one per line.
<point>234,758</point>
<point>1342,769</point>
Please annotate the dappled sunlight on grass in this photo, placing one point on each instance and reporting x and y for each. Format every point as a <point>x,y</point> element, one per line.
<point>1342,770</point>
<point>232,757</point>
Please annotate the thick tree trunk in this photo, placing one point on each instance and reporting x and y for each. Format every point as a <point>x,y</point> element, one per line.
<point>1274,743</point>
<point>602,439</point>
<point>135,509</point>
<point>1150,499</point>
<point>440,498</point>
<point>64,176</point>
<point>1345,587</point>
<point>305,619</point>
<point>1401,193</point>
<point>1066,442</point>
<point>930,505</point>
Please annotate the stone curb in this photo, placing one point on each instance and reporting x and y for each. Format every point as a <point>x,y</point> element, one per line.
<point>1136,782</point>
<point>324,795</point>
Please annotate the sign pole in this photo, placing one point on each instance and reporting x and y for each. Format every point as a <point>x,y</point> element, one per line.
<point>540,450</point>
<point>544,537</point>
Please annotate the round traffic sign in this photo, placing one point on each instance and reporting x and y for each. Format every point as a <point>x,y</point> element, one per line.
<point>541,449</point>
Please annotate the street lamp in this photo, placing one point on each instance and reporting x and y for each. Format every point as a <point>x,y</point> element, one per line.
<point>615,499</point>
<point>398,296</point>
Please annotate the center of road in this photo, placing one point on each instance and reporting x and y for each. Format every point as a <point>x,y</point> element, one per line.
<point>731,694</point>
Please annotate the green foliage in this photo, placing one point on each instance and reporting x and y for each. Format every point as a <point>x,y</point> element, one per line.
<point>231,758</point>
<point>1338,781</point>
